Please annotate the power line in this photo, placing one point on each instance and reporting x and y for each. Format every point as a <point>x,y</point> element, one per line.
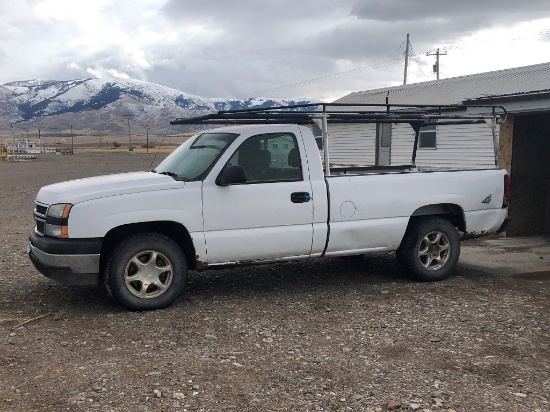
<point>414,55</point>
<point>329,76</point>
<point>385,63</point>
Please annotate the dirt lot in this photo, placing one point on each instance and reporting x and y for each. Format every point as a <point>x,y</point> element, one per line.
<point>330,335</point>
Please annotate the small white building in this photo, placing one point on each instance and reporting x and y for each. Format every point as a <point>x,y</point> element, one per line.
<point>26,146</point>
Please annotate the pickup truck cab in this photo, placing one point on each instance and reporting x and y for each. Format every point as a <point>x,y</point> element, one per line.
<point>249,194</point>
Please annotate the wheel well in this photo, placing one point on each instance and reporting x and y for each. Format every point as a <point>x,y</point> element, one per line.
<point>453,213</point>
<point>175,231</point>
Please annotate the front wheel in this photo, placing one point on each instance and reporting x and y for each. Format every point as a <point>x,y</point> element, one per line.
<point>430,249</point>
<point>146,271</point>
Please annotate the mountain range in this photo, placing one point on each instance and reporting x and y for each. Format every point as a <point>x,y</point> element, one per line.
<point>105,104</point>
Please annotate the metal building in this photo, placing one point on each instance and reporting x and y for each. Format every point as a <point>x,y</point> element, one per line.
<point>524,139</point>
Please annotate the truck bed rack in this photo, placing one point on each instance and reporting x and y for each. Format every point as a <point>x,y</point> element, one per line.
<point>351,113</point>
<point>321,114</point>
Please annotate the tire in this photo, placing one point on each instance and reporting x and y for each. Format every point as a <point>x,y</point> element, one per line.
<point>146,272</point>
<point>430,249</point>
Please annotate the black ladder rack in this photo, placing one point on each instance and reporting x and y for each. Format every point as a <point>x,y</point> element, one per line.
<point>321,114</point>
<point>352,113</point>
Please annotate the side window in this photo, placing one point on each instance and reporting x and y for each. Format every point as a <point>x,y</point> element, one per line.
<point>272,157</point>
<point>427,139</point>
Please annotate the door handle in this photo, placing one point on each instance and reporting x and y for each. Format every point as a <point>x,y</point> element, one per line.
<point>300,197</point>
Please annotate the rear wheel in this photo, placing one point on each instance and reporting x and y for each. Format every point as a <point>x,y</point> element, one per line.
<point>430,249</point>
<point>146,271</point>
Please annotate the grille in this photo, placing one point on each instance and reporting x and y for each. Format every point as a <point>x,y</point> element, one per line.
<point>40,218</point>
<point>41,210</point>
<point>40,227</point>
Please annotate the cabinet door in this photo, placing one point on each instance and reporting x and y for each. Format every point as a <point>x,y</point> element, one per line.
<point>268,216</point>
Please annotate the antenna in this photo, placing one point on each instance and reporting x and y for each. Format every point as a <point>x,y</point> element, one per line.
<point>160,145</point>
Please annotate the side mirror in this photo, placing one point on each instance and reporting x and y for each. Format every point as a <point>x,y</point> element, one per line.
<point>231,175</point>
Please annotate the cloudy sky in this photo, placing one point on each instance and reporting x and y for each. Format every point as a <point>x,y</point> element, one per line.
<point>320,49</point>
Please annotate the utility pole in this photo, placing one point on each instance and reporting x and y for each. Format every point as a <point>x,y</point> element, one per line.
<point>406,60</point>
<point>147,128</point>
<point>147,125</point>
<point>129,135</point>
<point>53,133</point>
<point>12,140</point>
<point>436,65</point>
<point>72,140</point>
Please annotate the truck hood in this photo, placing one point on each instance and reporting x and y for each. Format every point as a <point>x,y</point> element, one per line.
<point>81,190</point>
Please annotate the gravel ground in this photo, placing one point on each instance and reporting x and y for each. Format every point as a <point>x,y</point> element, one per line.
<point>324,335</point>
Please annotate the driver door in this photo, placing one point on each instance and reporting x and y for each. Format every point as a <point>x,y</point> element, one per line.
<point>267,217</point>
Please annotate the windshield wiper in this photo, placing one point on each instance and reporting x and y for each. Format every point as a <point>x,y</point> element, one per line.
<point>175,176</point>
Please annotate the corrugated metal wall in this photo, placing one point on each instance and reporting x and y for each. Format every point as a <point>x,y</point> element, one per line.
<point>352,144</point>
<point>468,145</point>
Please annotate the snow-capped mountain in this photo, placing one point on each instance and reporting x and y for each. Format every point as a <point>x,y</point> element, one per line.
<point>104,104</point>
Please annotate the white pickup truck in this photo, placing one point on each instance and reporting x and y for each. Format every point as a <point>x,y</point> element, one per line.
<point>257,193</point>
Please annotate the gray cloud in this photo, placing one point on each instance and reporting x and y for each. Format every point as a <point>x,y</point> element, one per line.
<point>475,13</point>
<point>434,21</point>
<point>243,47</point>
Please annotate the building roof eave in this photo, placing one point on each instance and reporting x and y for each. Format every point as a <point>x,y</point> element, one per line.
<point>534,95</point>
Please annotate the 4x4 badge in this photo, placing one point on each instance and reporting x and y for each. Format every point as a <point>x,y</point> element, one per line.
<point>487,200</point>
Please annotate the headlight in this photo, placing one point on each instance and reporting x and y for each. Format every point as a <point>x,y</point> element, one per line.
<point>60,210</point>
<point>57,220</point>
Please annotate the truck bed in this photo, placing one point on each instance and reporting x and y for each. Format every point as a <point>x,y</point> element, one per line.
<point>382,203</point>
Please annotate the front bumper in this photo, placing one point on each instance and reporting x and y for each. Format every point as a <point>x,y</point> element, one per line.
<point>69,261</point>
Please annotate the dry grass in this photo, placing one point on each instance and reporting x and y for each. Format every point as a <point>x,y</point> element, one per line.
<point>23,321</point>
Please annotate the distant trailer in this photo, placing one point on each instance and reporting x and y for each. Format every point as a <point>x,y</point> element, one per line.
<point>64,151</point>
<point>18,157</point>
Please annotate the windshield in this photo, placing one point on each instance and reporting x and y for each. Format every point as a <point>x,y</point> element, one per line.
<point>193,159</point>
